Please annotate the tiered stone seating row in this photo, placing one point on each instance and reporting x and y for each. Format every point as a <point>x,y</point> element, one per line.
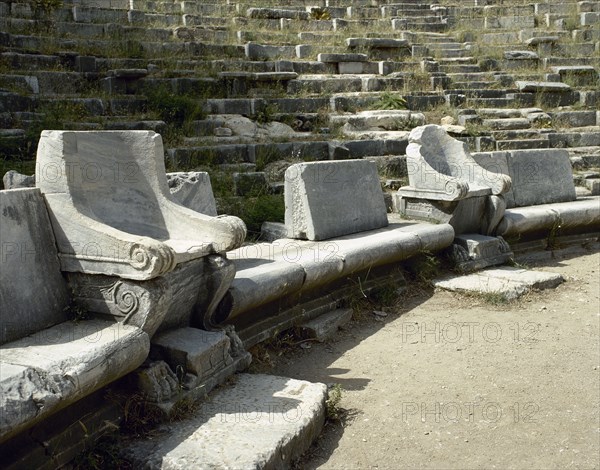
<point>278,61</point>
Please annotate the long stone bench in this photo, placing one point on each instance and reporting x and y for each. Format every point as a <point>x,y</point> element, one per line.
<point>351,245</point>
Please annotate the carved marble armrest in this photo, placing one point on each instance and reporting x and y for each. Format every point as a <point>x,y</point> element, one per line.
<point>86,245</point>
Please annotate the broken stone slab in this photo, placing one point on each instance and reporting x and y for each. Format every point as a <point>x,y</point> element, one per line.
<point>33,292</point>
<point>542,40</point>
<point>580,74</point>
<point>538,176</point>
<point>540,87</point>
<point>384,119</point>
<point>111,208</point>
<point>255,51</point>
<point>193,190</point>
<point>325,326</point>
<point>260,421</point>
<point>471,252</point>
<point>336,58</point>
<point>520,55</point>
<point>50,369</point>
<point>377,43</point>
<point>196,351</point>
<point>506,282</point>
<point>321,199</point>
<point>276,13</point>
<point>14,180</point>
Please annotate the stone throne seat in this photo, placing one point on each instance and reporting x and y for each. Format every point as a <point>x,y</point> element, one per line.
<point>441,168</point>
<point>112,211</point>
<point>447,185</point>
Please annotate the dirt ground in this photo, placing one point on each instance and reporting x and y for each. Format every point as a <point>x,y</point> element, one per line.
<point>447,381</point>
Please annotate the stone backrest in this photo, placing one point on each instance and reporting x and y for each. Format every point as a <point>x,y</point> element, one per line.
<point>542,176</point>
<point>33,292</point>
<point>111,208</point>
<point>330,199</point>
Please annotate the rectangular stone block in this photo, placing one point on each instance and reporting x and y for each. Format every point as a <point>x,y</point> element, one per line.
<point>33,293</point>
<point>541,176</point>
<point>199,352</point>
<point>328,199</point>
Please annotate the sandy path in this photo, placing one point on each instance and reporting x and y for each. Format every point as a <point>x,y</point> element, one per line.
<point>449,381</point>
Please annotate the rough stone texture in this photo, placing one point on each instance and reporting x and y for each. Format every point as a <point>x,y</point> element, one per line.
<point>380,119</point>
<point>33,293</point>
<point>111,208</point>
<point>531,86</point>
<point>473,251</point>
<point>538,176</point>
<point>507,282</point>
<point>259,422</point>
<point>517,55</point>
<point>336,58</point>
<point>328,199</point>
<point>326,325</point>
<point>47,371</point>
<point>14,180</point>
<point>593,184</point>
<point>197,351</point>
<point>194,191</point>
<point>377,43</point>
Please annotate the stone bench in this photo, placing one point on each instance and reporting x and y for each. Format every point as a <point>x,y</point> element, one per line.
<point>48,362</point>
<point>330,236</point>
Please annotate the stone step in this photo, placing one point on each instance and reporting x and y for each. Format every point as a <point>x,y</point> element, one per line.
<point>521,134</point>
<point>522,144</point>
<point>260,421</point>
<point>451,53</point>
<point>459,68</point>
<point>506,282</point>
<point>473,85</point>
<point>507,123</point>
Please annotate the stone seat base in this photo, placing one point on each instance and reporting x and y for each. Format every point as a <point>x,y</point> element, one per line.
<point>551,220</point>
<point>55,367</point>
<point>278,271</point>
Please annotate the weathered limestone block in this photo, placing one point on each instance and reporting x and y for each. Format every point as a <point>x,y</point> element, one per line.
<point>199,352</point>
<point>531,86</point>
<point>329,199</point>
<point>53,368</point>
<point>111,208</point>
<point>14,180</point>
<point>260,422</point>
<point>33,294</point>
<point>384,119</point>
<point>538,176</point>
<point>275,13</point>
<point>473,252</point>
<point>194,191</point>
